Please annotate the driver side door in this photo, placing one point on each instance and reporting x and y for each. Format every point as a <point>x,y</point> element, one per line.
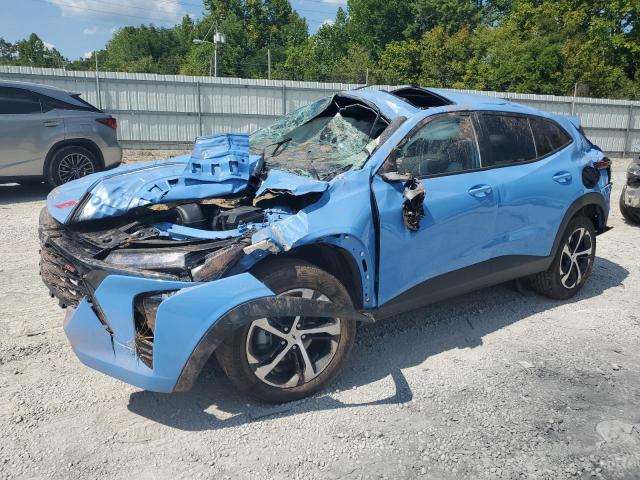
<point>460,209</point>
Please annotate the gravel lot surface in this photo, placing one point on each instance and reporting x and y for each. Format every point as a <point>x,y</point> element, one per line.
<point>495,384</point>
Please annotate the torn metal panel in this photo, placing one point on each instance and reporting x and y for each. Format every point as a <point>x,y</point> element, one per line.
<point>413,206</point>
<point>281,181</point>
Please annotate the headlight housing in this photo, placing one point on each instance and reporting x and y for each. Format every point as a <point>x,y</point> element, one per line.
<point>156,259</point>
<point>633,171</point>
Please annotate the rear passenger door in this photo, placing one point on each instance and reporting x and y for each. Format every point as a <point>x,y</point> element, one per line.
<point>532,167</point>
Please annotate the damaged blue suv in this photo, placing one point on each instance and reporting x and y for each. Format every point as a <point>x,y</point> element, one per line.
<point>267,250</point>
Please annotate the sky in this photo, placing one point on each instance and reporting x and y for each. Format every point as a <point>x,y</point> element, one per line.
<point>77,27</point>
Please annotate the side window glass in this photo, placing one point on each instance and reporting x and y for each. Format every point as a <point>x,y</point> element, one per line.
<point>49,103</point>
<point>548,136</point>
<point>15,101</point>
<point>505,140</point>
<point>444,145</point>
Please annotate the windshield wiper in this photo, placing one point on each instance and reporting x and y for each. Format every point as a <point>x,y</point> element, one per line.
<point>278,146</point>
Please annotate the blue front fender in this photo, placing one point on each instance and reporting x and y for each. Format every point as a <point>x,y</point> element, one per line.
<point>181,321</point>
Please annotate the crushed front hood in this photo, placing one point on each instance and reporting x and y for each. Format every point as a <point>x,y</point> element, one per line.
<point>219,166</point>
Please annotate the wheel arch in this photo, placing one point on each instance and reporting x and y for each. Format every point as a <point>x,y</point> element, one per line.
<point>73,142</point>
<point>593,206</point>
<point>334,260</point>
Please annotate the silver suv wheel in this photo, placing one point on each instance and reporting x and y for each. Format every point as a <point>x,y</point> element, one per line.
<point>73,166</point>
<point>286,352</point>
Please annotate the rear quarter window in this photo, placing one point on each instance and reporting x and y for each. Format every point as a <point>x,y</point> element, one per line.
<point>548,136</point>
<point>50,103</point>
<point>505,139</point>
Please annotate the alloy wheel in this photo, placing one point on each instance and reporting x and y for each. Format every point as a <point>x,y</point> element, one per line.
<point>74,166</point>
<point>286,352</point>
<point>576,258</point>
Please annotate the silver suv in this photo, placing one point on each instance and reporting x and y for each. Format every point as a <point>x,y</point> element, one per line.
<point>48,133</point>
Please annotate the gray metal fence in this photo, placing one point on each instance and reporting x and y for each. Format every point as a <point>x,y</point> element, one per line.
<point>171,110</point>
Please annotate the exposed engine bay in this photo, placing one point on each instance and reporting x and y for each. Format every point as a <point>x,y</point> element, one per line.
<point>192,218</point>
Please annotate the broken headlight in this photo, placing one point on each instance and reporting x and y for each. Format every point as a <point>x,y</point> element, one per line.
<point>217,263</point>
<point>155,260</point>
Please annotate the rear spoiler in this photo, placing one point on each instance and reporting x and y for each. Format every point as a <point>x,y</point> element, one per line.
<point>574,120</point>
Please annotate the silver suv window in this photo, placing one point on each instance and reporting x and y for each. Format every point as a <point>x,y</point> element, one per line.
<point>16,101</point>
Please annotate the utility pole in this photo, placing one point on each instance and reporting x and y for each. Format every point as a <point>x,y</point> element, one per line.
<point>366,78</point>
<point>95,54</point>
<point>217,38</point>
<point>269,63</point>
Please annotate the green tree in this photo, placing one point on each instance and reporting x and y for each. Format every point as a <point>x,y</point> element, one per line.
<point>449,15</point>
<point>444,57</point>
<point>33,52</point>
<point>319,58</point>
<point>7,51</point>
<point>399,63</point>
<point>144,49</point>
<point>375,23</point>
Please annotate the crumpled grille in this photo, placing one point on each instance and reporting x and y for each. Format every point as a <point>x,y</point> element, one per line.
<point>62,277</point>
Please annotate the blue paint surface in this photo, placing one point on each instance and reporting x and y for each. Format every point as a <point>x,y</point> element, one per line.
<point>520,216</point>
<point>181,322</point>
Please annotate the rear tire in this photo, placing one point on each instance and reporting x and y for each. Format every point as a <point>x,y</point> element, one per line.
<point>70,163</point>
<point>262,360</point>
<point>631,215</point>
<point>572,264</point>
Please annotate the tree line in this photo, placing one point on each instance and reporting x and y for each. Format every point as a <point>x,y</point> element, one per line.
<point>562,47</point>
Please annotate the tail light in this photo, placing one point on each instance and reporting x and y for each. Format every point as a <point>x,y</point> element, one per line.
<point>602,164</point>
<point>108,121</point>
<point>605,164</point>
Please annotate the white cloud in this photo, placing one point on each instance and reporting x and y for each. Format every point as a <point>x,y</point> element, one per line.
<point>113,30</point>
<point>133,11</point>
<point>49,46</point>
<point>90,31</point>
<point>327,21</point>
<point>87,54</point>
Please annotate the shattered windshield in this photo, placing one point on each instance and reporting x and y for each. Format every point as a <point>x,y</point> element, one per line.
<point>328,137</point>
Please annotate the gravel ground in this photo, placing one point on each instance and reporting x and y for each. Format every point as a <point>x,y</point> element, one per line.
<point>129,156</point>
<point>495,384</point>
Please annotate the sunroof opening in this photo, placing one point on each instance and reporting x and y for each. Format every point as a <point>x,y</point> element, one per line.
<point>420,97</point>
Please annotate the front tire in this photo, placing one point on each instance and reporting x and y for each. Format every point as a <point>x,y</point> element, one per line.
<point>70,163</point>
<point>282,359</point>
<point>572,264</point>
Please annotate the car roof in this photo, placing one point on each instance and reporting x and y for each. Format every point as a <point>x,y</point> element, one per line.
<point>390,105</point>
<point>49,90</point>
<point>393,106</point>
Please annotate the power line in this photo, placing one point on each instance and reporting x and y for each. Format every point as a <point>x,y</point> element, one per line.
<point>76,7</point>
<point>309,12</point>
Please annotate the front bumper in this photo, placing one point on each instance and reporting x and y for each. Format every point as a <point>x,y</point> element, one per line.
<point>101,319</point>
<point>631,197</point>
<point>181,322</point>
